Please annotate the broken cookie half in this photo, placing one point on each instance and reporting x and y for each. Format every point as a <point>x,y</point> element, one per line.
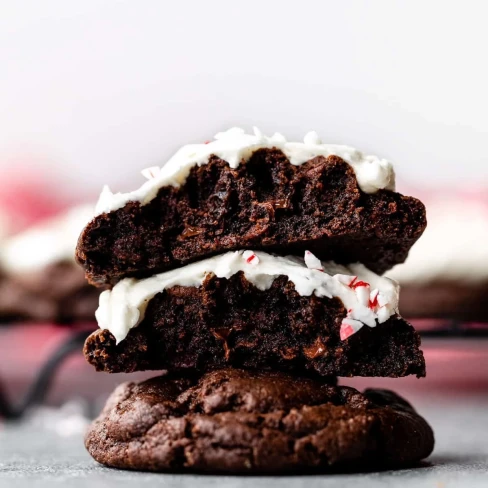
<point>253,309</point>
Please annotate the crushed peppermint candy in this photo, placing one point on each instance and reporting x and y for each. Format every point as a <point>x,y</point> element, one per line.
<point>151,172</point>
<point>250,258</point>
<point>351,283</point>
<point>373,299</point>
<point>363,294</point>
<point>357,284</point>
<point>349,327</point>
<point>312,262</point>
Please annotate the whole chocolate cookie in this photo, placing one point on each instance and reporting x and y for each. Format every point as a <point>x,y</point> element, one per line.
<point>238,421</point>
<point>266,203</point>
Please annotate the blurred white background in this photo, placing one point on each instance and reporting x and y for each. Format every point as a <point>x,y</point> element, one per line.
<point>99,89</point>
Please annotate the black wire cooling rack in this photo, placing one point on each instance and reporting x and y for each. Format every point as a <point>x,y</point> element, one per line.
<point>40,386</point>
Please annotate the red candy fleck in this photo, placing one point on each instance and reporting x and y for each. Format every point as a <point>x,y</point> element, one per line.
<point>374,302</point>
<point>207,142</point>
<point>346,331</point>
<point>360,283</point>
<point>250,258</point>
<point>356,284</point>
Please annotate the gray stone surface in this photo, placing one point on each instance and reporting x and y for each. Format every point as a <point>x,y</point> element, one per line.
<point>36,456</point>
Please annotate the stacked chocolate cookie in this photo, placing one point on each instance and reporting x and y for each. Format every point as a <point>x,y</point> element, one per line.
<point>246,269</point>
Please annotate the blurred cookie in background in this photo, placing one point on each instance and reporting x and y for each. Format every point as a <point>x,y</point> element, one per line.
<point>39,278</point>
<point>446,272</point>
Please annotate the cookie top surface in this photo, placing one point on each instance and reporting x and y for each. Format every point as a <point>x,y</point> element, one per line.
<point>266,203</point>
<point>234,146</point>
<point>240,421</point>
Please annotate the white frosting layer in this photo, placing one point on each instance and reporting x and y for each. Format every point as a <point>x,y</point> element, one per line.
<point>234,146</point>
<point>367,296</point>
<point>46,243</point>
<point>452,248</point>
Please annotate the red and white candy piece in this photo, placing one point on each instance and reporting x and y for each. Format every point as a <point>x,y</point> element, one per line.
<point>373,299</point>
<point>362,289</point>
<point>349,327</point>
<point>379,305</point>
<point>151,172</point>
<point>363,294</point>
<point>351,281</point>
<point>354,283</point>
<point>250,257</point>
<point>383,314</point>
<point>312,262</point>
